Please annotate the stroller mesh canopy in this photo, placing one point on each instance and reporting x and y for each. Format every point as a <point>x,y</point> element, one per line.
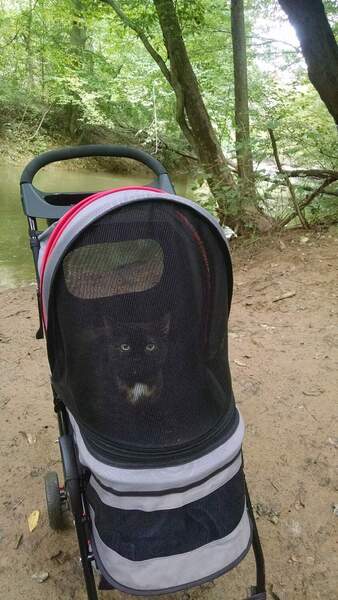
<point>137,327</point>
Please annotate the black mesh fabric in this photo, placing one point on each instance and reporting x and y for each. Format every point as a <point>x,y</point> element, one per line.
<point>137,330</point>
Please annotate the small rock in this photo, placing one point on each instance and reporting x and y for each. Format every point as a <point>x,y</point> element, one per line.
<point>40,577</point>
<point>282,246</point>
<point>316,391</point>
<point>229,233</point>
<point>293,559</point>
<point>239,363</point>
<point>295,528</point>
<point>274,519</point>
<point>335,509</point>
<point>310,560</point>
<point>333,441</point>
<point>262,510</point>
<point>60,557</point>
<point>304,239</point>
<point>233,335</point>
<point>31,438</point>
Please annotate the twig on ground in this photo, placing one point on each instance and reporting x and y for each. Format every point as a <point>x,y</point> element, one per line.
<point>284,296</point>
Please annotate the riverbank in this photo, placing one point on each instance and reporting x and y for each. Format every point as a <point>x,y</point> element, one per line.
<point>21,141</point>
<point>283,350</point>
<point>20,153</point>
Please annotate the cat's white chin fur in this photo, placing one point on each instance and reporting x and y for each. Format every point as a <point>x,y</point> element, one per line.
<point>138,391</point>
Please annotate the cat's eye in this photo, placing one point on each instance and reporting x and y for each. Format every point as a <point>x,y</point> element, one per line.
<point>125,347</point>
<point>150,347</point>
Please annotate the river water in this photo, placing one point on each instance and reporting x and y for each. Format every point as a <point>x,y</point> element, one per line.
<point>16,264</point>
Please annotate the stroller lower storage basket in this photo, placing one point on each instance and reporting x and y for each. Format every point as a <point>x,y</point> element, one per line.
<point>153,533</point>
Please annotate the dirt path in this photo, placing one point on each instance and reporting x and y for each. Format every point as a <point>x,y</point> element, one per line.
<point>284,365</point>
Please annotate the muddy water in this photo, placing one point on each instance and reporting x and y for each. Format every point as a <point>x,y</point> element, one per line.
<point>16,266</point>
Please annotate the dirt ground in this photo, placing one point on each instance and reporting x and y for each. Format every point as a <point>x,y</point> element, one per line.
<point>284,357</point>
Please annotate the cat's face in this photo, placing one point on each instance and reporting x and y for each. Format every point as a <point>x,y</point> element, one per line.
<point>138,352</point>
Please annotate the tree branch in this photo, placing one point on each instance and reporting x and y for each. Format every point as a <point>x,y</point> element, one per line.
<point>309,198</point>
<point>10,41</point>
<point>287,180</point>
<point>306,188</point>
<point>320,173</point>
<point>40,123</point>
<point>140,33</point>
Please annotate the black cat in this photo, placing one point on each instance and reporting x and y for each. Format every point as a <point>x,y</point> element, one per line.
<point>137,352</point>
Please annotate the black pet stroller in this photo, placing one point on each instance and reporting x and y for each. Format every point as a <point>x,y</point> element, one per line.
<point>134,293</point>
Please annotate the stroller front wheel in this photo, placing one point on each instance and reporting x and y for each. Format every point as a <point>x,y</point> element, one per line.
<point>55,500</point>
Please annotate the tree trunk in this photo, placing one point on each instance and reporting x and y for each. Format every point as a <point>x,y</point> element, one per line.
<point>319,48</point>
<point>243,146</point>
<point>78,38</point>
<point>192,115</point>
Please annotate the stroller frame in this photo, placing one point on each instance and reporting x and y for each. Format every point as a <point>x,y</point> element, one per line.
<point>38,204</point>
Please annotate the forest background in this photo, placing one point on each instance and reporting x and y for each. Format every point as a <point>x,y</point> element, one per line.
<point>224,91</point>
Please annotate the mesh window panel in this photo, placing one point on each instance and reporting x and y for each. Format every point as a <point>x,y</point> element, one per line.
<point>137,327</point>
<point>110,269</point>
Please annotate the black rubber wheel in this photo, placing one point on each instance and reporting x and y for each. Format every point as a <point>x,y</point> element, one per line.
<point>54,501</point>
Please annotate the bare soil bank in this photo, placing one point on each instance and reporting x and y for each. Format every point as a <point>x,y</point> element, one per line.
<point>284,358</point>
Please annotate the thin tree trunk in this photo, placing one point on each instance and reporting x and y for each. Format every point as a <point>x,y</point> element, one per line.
<point>42,51</point>
<point>27,36</point>
<point>78,38</point>
<point>243,145</point>
<point>319,48</point>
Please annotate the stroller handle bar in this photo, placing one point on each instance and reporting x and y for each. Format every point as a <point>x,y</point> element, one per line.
<point>86,151</point>
<point>51,206</point>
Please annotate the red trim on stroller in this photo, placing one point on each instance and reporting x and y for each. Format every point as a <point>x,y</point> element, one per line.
<point>70,214</point>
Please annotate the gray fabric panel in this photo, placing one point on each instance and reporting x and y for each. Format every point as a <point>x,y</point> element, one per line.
<point>163,478</point>
<point>168,501</point>
<point>99,208</point>
<point>174,571</point>
<point>176,588</point>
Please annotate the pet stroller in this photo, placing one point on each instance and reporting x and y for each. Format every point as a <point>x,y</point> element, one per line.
<point>134,293</point>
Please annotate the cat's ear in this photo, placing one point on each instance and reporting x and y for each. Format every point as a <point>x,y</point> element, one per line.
<point>110,326</point>
<point>164,324</point>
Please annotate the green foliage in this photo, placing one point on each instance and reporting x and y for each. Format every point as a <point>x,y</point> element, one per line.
<point>76,66</point>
